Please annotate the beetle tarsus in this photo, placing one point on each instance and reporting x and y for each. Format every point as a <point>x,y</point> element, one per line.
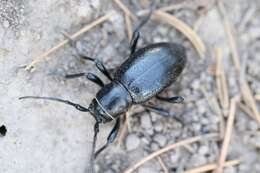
<point>99,64</point>
<point>175,99</point>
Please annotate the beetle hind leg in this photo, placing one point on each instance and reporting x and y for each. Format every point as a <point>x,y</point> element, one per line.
<point>163,112</point>
<point>136,33</point>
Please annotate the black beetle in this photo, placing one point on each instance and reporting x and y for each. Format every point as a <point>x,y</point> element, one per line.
<point>145,74</point>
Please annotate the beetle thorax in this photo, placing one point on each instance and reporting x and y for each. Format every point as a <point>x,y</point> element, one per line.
<point>111,101</point>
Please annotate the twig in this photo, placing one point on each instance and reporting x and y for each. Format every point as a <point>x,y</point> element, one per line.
<point>246,91</point>
<point>122,132</point>
<point>168,148</point>
<point>214,105</point>
<point>222,87</point>
<point>249,99</point>
<point>210,167</point>
<point>228,133</point>
<point>257,97</point>
<point>125,9</point>
<point>165,9</point>
<point>128,27</point>
<point>129,128</point>
<point>230,33</point>
<point>74,36</point>
<point>198,23</point>
<point>165,170</point>
<point>245,109</point>
<point>184,29</point>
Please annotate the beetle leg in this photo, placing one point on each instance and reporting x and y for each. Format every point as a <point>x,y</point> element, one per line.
<point>162,112</point>
<point>134,40</point>
<point>175,99</point>
<point>136,33</point>
<point>96,131</point>
<point>90,76</point>
<point>111,137</point>
<point>99,64</point>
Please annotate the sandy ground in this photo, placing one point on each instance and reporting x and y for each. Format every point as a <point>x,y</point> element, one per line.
<point>51,137</point>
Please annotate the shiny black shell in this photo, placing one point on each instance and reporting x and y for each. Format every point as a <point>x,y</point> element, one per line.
<point>151,69</point>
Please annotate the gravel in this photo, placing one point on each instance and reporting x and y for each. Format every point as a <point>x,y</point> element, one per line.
<point>58,135</point>
<point>132,142</point>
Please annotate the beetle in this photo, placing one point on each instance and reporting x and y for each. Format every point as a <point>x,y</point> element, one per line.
<point>144,74</point>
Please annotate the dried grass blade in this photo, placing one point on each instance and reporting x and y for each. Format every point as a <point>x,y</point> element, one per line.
<point>125,9</point>
<point>228,133</point>
<point>128,27</point>
<point>230,33</point>
<point>184,29</point>
<point>74,36</point>
<point>249,99</point>
<point>210,167</point>
<point>165,170</point>
<point>168,148</point>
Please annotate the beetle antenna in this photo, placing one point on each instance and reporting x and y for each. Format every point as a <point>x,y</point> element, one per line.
<point>77,106</point>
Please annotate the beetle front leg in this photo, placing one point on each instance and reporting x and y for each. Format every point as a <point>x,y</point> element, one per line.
<point>111,137</point>
<point>99,64</point>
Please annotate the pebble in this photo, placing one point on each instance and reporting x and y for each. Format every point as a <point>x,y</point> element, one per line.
<point>230,169</point>
<point>154,146</point>
<point>197,160</point>
<point>160,139</point>
<point>132,142</point>
<point>146,122</point>
<point>6,24</point>
<point>147,169</point>
<point>203,150</point>
<point>158,127</point>
<point>175,156</point>
<point>252,125</point>
<point>195,84</point>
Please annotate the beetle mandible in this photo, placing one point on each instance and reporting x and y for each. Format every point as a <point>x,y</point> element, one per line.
<point>145,73</point>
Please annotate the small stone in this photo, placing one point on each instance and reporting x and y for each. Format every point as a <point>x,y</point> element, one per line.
<point>132,142</point>
<point>203,150</point>
<point>146,122</point>
<point>175,156</point>
<point>154,146</point>
<point>147,169</point>
<point>160,139</point>
<point>198,160</point>
<point>252,125</point>
<point>195,84</point>
<point>158,127</point>
<point>163,30</point>
<point>6,24</point>
<point>196,127</point>
<point>230,170</point>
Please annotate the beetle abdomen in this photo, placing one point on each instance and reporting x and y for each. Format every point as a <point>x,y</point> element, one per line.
<point>151,69</point>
